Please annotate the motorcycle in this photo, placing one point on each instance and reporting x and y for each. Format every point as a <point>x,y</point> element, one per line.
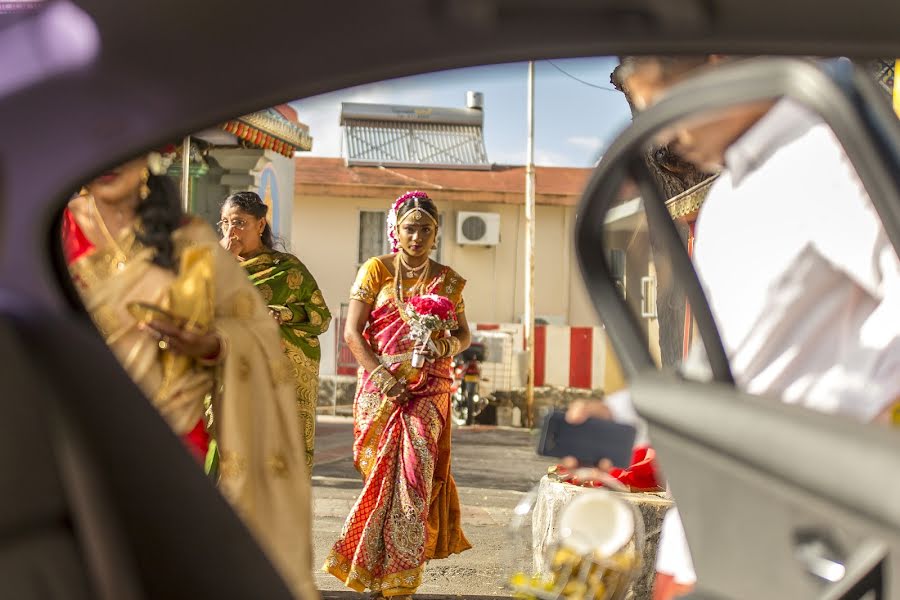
<point>466,401</point>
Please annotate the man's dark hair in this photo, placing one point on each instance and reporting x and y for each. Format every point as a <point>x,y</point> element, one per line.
<point>670,67</point>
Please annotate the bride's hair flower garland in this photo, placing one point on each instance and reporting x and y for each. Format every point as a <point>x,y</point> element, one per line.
<point>159,160</point>
<point>392,217</point>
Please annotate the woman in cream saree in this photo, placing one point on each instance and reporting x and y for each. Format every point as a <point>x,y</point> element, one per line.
<point>408,512</point>
<point>128,247</point>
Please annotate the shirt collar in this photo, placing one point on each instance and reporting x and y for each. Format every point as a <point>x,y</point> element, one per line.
<point>784,122</point>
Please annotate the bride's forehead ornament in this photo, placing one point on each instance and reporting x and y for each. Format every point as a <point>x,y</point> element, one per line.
<point>417,213</point>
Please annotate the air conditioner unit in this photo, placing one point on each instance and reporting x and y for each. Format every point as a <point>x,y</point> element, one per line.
<point>477,229</point>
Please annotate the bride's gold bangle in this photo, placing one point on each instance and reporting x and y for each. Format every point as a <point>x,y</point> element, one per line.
<point>382,379</point>
<point>453,345</point>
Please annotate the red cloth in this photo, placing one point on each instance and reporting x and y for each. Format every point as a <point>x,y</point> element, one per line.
<point>642,474</point>
<point>74,242</point>
<point>665,587</point>
<point>197,441</point>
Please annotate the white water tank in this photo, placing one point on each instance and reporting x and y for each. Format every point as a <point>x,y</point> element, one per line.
<point>475,100</point>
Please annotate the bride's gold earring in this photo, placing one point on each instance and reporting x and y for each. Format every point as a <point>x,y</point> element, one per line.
<point>144,191</point>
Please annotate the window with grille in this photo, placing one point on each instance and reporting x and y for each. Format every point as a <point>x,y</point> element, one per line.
<point>373,236</point>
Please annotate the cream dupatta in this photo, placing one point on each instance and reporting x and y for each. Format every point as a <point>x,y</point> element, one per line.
<point>250,386</point>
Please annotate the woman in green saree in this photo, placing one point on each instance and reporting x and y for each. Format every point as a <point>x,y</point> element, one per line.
<point>291,293</point>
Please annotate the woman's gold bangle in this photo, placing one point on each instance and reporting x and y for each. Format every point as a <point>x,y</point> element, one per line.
<point>382,379</point>
<point>388,384</point>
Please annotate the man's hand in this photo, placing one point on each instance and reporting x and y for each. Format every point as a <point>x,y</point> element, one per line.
<point>581,410</point>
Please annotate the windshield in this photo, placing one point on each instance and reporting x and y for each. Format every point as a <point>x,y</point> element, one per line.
<point>329,298</point>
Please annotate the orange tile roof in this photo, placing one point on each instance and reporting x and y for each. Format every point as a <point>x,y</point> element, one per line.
<point>502,184</point>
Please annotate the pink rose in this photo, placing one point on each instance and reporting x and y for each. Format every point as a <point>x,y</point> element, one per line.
<point>432,304</point>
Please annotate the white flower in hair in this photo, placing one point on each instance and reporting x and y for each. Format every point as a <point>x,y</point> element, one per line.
<point>392,217</point>
<point>392,229</point>
<point>159,163</point>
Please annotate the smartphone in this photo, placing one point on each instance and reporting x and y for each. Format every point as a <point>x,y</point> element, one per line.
<point>589,442</point>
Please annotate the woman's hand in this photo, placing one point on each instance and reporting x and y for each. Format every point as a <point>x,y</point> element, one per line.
<point>429,352</point>
<point>182,341</point>
<point>398,394</point>
<point>232,244</point>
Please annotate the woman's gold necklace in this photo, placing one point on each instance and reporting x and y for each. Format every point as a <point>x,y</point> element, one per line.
<point>120,257</point>
<point>411,271</point>
<point>398,277</point>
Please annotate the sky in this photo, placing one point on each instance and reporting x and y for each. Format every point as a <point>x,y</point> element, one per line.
<point>574,120</point>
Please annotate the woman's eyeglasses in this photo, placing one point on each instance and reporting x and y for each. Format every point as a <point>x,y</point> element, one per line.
<point>225,225</point>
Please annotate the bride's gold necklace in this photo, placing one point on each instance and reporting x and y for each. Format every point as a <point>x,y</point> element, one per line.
<point>411,271</point>
<point>398,277</point>
<point>120,257</point>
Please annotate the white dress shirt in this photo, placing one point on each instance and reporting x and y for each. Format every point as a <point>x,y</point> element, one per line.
<point>801,278</point>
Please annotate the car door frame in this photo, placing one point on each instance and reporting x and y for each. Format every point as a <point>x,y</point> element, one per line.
<point>709,433</point>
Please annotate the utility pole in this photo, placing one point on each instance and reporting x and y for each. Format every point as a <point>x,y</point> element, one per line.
<point>186,174</point>
<point>529,253</point>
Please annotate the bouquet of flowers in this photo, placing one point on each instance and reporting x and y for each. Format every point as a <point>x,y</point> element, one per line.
<point>427,314</point>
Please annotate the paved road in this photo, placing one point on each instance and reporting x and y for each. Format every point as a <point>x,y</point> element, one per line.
<point>493,469</point>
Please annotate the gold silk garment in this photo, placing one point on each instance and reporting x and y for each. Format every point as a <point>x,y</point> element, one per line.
<point>251,387</point>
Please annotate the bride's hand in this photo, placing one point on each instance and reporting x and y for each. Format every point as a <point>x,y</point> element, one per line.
<point>429,352</point>
<point>182,341</point>
<point>398,394</point>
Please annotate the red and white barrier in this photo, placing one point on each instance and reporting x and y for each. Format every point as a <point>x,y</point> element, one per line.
<point>563,356</point>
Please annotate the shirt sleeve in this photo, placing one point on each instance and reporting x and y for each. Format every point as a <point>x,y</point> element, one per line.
<point>368,282</point>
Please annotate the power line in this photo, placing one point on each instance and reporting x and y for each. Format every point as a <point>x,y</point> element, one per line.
<point>579,80</point>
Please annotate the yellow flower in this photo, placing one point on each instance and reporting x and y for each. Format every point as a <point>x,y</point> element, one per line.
<point>266,291</point>
<point>317,298</point>
<point>294,279</point>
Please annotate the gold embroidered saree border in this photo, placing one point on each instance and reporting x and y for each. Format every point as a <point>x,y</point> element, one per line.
<point>359,579</point>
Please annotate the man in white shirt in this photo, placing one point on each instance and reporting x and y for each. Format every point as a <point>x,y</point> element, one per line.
<point>799,273</point>
<point>802,281</point>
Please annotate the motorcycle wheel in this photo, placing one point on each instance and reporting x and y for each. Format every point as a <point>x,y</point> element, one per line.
<point>459,409</point>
